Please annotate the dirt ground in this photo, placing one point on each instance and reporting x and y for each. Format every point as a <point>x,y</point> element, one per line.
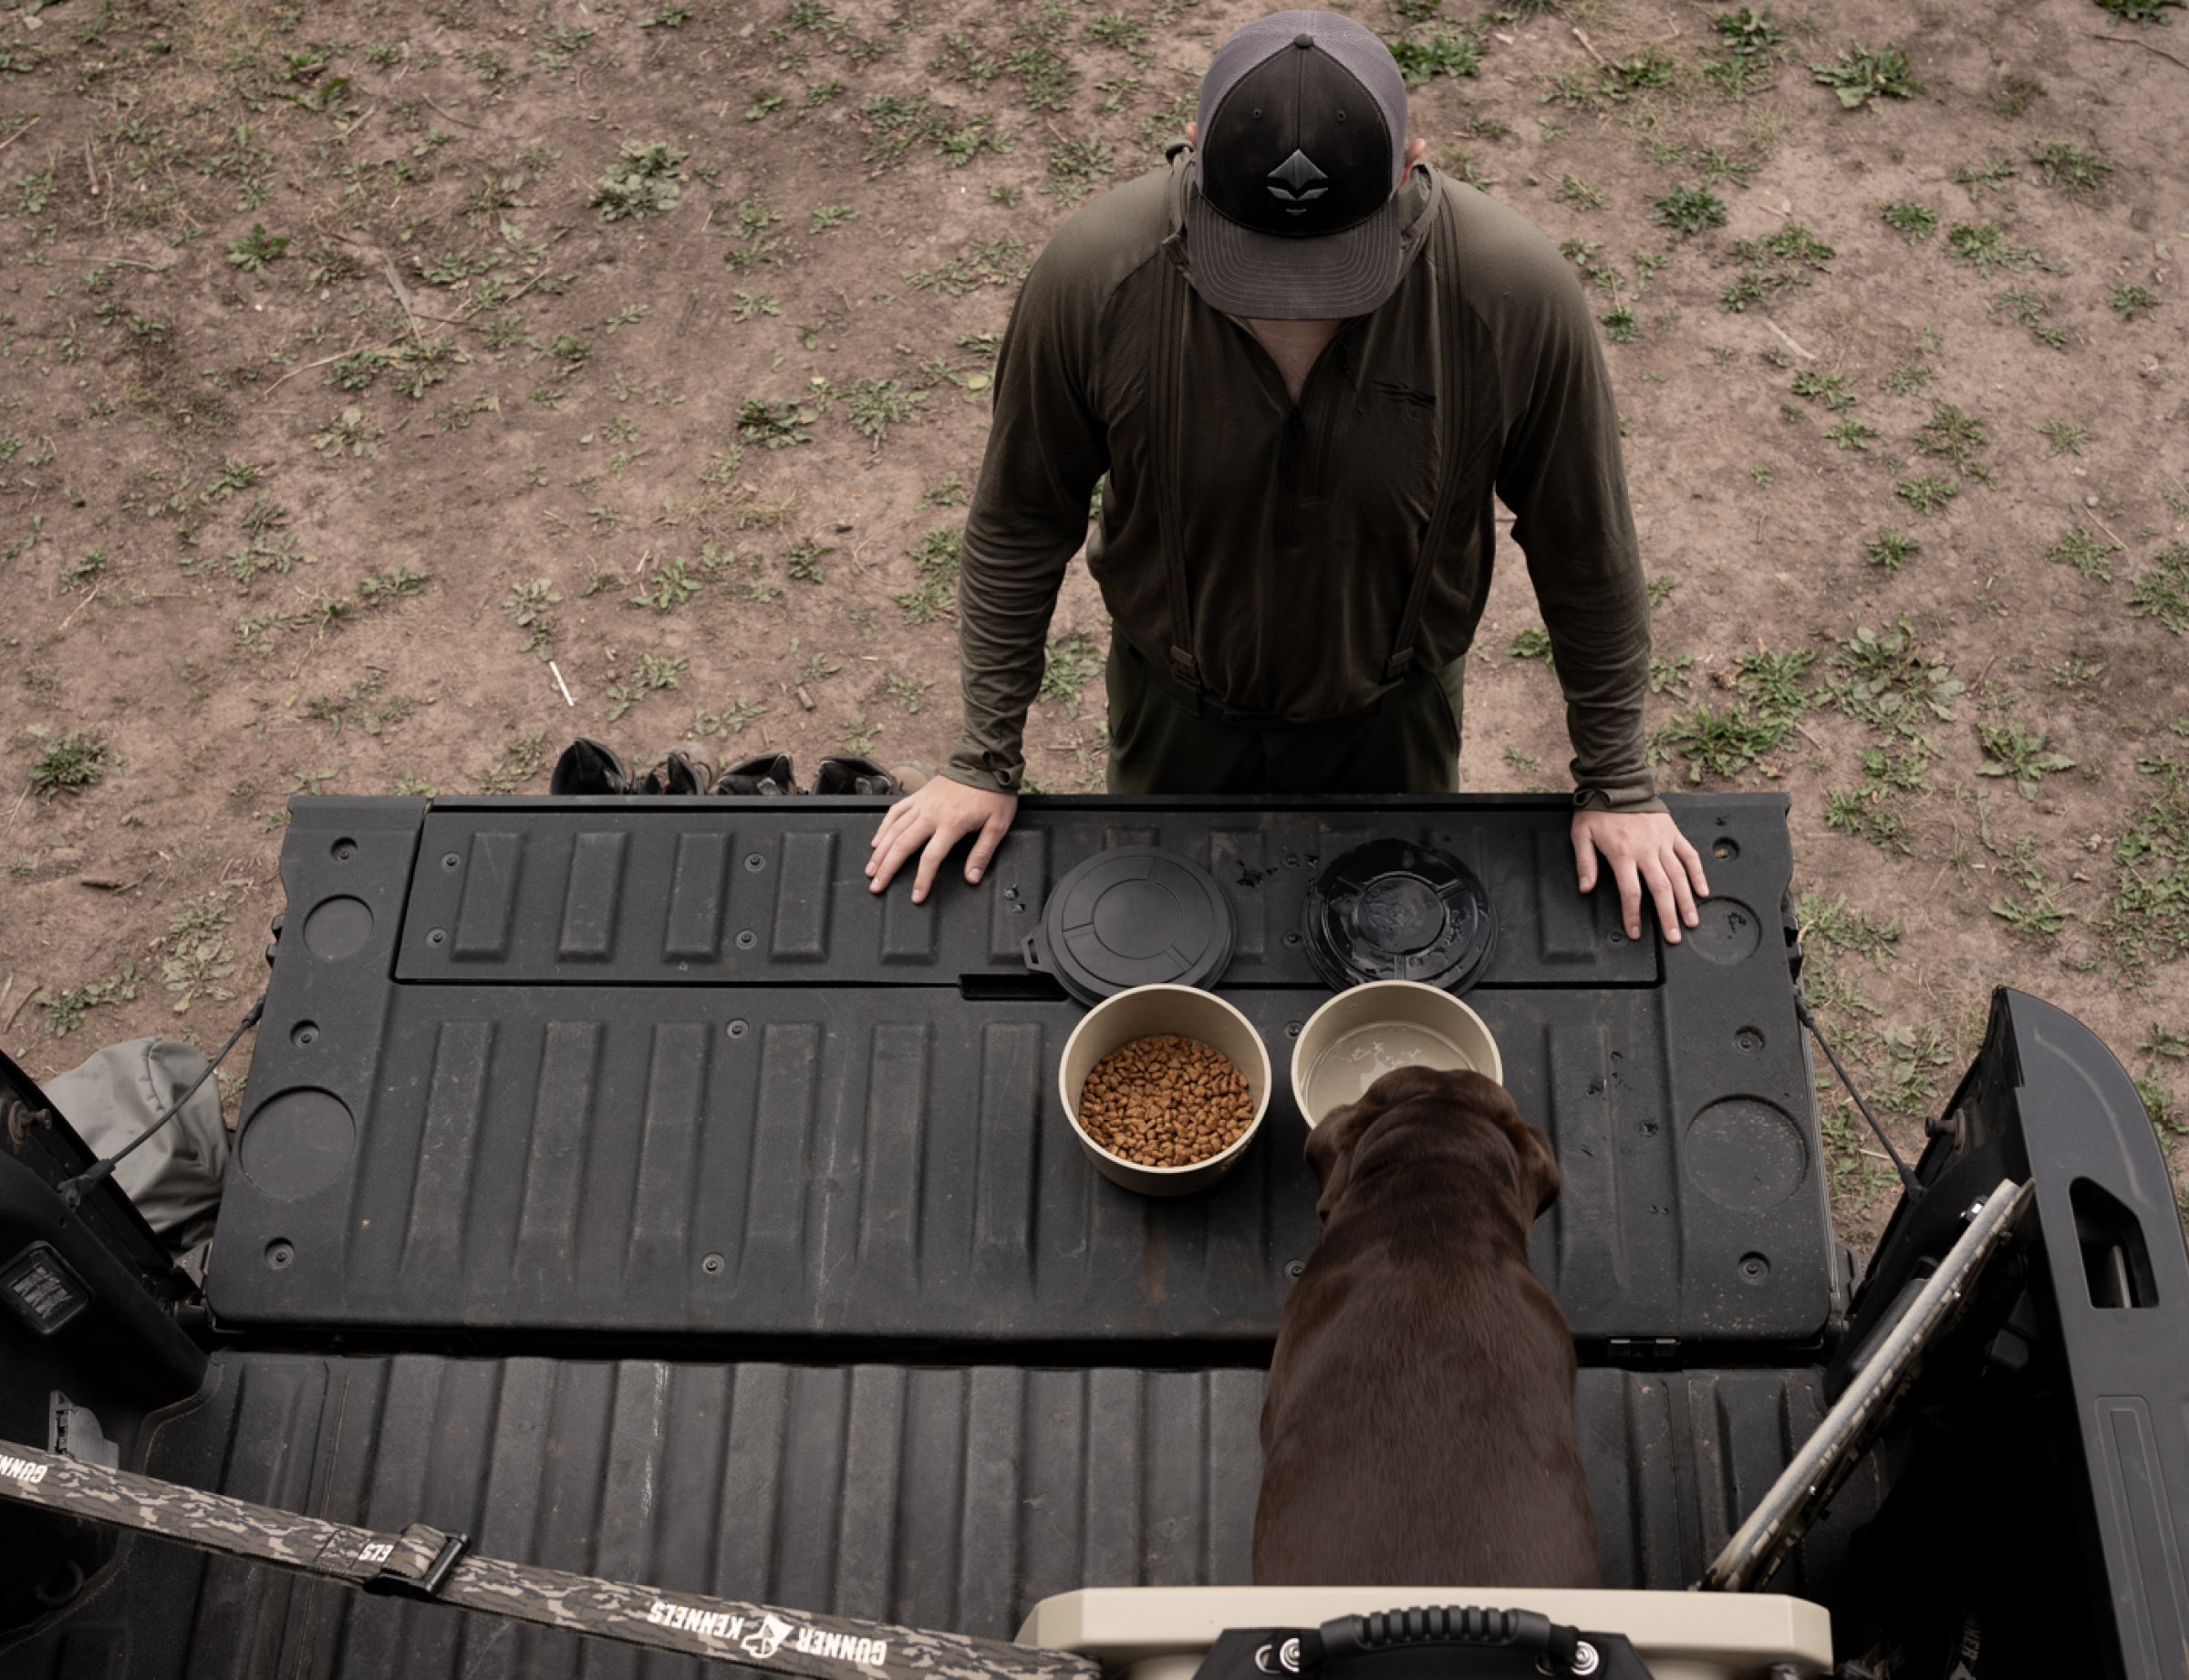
<point>341,396</point>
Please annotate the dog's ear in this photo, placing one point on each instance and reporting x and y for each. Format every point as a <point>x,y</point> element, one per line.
<point>1330,1150</point>
<point>1540,1178</point>
<point>1538,1167</point>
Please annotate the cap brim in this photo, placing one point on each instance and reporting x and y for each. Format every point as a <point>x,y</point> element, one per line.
<point>1269,278</point>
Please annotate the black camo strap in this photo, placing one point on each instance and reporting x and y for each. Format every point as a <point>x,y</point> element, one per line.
<point>781,1641</point>
<point>1167,403</point>
<point>1444,252</point>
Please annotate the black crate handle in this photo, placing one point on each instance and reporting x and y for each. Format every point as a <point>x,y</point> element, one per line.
<point>1527,1632</point>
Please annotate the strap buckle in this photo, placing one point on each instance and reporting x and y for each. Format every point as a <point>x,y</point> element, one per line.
<point>393,1579</point>
<point>1185,668</point>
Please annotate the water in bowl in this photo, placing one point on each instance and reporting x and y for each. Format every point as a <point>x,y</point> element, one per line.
<point>1357,1060</point>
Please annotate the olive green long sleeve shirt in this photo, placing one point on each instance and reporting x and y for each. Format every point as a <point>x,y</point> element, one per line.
<point>1300,523</point>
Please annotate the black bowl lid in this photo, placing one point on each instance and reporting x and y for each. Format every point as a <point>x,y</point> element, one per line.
<point>1134,916</point>
<point>1395,910</point>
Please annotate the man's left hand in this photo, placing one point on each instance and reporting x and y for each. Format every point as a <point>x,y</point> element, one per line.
<point>1642,848</point>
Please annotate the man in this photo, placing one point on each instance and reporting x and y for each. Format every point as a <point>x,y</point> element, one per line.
<point>1301,363</point>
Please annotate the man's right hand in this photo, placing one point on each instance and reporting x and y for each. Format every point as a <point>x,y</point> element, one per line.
<point>930,823</point>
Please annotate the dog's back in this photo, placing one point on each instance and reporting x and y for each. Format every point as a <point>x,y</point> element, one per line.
<point>1419,1424</point>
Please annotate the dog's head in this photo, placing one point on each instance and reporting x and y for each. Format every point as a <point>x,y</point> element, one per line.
<point>1433,1098</point>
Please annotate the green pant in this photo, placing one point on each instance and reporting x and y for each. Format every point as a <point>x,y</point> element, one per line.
<point>1160,744</point>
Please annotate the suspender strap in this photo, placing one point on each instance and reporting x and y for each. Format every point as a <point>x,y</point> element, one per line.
<point>1444,251</point>
<point>1167,404</point>
<point>424,1562</point>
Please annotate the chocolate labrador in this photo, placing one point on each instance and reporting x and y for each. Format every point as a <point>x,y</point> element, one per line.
<point>1418,1428</point>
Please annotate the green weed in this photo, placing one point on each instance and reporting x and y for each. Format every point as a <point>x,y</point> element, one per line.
<point>1689,210</point>
<point>1072,661</point>
<point>357,707</point>
<point>1890,549</point>
<point>2069,167</point>
<point>2019,304</point>
<point>1668,672</point>
<point>1982,246</point>
<point>1832,388</point>
<point>1956,439</point>
<point>521,759</point>
<point>198,958</point>
<point>1582,194</point>
<point>65,1010</point>
<point>653,674</point>
<point>1749,47</point>
<point>1927,492</point>
<point>2128,301</point>
<point>79,574</point>
<point>935,559</point>
<point>348,432</point>
<point>2163,592</point>
<point>1887,680</point>
<point>2020,754</point>
<point>257,249</point>
<point>2064,436</point>
<point>1000,262</point>
<point>1905,217</point>
<point>873,406</point>
<point>1867,817</point>
<point>1533,643</point>
<point>1719,743</point>
<point>1978,178</point>
<point>69,763</point>
<point>1860,74</point>
<point>2148,921</point>
<point>1445,52</point>
<point>645,181</point>
<point>772,425</point>
<point>733,719</point>
<point>669,587</point>
<point>531,608</point>
<point>909,692</point>
<point>2082,549</point>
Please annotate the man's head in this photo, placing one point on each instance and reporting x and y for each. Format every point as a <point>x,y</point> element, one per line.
<point>1299,143</point>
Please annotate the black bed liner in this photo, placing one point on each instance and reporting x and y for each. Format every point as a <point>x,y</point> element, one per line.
<point>666,1068</point>
<point>951,1497</point>
<point>938,1403</point>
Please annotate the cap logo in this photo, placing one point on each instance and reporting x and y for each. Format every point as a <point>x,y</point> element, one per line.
<point>1295,182</point>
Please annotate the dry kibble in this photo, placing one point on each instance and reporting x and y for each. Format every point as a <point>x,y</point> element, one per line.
<point>1166,1101</point>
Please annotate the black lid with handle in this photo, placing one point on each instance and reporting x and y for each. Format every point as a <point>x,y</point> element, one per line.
<point>1395,910</point>
<point>1133,916</point>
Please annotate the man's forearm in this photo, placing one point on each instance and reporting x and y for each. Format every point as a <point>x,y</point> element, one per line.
<point>1604,669</point>
<point>1004,609</point>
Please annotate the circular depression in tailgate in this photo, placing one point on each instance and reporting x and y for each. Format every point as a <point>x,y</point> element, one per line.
<point>1745,1153</point>
<point>1725,931</point>
<point>338,928</point>
<point>298,1141</point>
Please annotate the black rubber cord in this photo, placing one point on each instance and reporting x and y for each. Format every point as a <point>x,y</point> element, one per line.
<point>1907,1178</point>
<point>72,1189</point>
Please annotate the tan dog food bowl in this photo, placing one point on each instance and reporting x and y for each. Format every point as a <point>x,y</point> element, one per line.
<point>1148,1011</point>
<point>1368,1030</point>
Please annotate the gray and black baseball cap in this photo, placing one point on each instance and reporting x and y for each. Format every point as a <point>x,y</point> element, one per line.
<point>1303,126</point>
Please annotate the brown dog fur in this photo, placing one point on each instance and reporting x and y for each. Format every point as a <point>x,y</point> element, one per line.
<point>1418,1428</point>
